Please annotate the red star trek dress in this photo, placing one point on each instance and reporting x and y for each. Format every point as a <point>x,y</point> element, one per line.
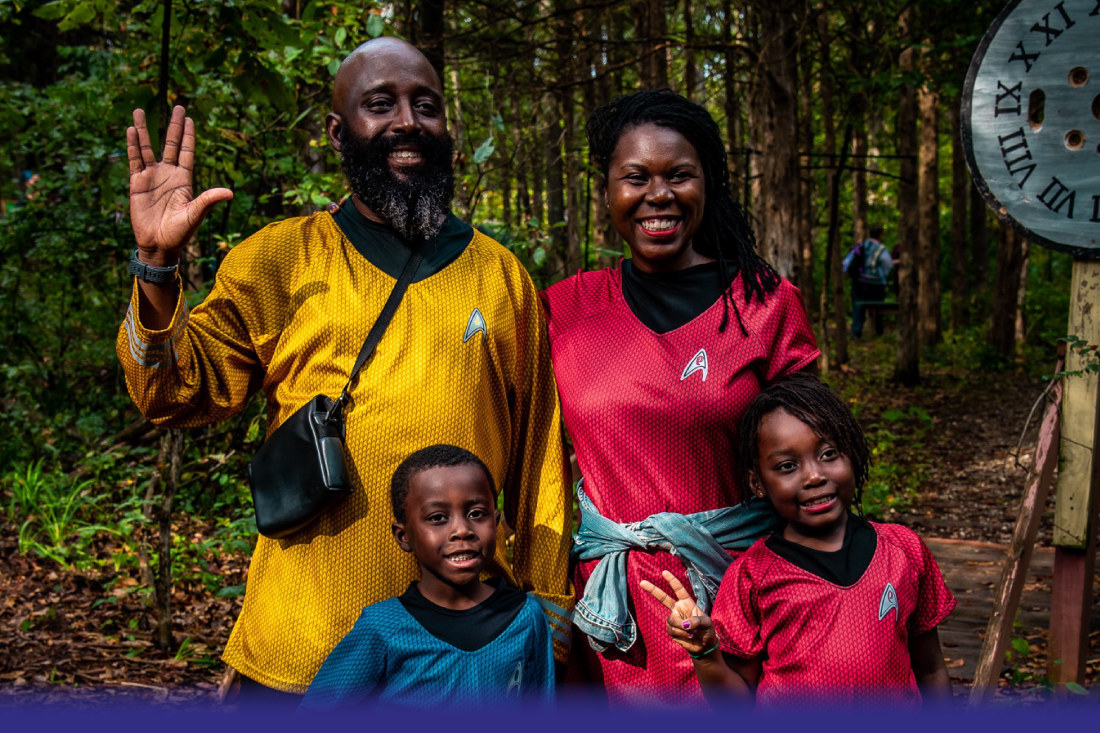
<point>825,644</point>
<point>653,421</point>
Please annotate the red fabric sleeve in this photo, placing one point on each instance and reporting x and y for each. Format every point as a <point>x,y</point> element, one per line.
<point>787,336</point>
<point>735,614</point>
<point>934,601</point>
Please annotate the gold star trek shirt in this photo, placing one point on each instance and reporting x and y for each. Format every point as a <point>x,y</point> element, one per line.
<point>465,360</point>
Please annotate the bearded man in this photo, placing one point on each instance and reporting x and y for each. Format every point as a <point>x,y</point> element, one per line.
<point>464,361</point>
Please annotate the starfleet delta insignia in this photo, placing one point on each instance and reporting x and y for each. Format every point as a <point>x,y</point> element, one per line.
<point>888,602</point>
<point>698,363</point>
<point>475,324</point>
<point>515,682</point>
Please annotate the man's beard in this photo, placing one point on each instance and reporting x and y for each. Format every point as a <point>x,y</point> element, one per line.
<point>416,204</point>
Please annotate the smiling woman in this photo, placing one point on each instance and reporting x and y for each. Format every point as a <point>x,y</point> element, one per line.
<point>655,360</point>
<point>656,192</point>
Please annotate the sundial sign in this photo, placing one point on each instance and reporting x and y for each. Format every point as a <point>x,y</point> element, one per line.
<point>1031,121</point>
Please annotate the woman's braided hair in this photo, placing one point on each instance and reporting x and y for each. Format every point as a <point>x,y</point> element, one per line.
<point>724,232</point>
<point>815,403</point>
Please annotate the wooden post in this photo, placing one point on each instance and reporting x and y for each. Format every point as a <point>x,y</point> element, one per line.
<point>1016,565</point>
<point>1071,594</point>
<point>1078,478</point>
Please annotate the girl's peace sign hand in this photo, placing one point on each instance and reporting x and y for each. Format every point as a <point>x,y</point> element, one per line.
<point>687,624</point>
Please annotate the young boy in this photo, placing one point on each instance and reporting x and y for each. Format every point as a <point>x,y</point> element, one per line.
<point>450,638</point>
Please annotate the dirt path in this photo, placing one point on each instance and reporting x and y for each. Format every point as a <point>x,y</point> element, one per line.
<point>975,460</point>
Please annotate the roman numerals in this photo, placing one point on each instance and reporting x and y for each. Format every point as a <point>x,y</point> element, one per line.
<point>1052,32</point>
<point>1008,98</point>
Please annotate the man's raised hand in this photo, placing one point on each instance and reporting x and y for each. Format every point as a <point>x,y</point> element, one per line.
<point>687,624</point>
<point>163,209</point>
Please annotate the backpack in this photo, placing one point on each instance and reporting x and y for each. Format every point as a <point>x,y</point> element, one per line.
<point>874,268</point>
<point>852,264</point>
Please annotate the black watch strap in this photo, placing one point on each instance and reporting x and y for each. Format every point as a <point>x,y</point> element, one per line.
<point>150,274</point>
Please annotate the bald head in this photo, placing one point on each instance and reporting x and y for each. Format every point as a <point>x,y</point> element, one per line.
<point>375,63</point>
<point>389,125</point>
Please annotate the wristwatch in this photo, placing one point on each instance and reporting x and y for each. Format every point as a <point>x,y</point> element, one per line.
<point>150,274</point>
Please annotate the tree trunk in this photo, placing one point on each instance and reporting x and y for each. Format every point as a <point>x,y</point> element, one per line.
<point>859,177</point>
<point>163,639</point>
<point>165,68</point>
<point>570,235</point>
<point>806,218</point>
<point>1006,287</point>
<point>928,248</point>
<point>538,173</point>
<point>979,250</point>
<point>574,193</point>
<point>555,189</point>
<point>429,34</point>
<point>506,200</point>
<point>404,22</point>
<point>960,260</point>
<point>457,129</point>
<point>828,125</point>
<point>1021,294</point>
<point>651,30</point>
<point>145,570</point>
<point>738,163</point>
<point>688,52</point>
<point>605,239</point>
<point>907,367</point>
<point>519,169</point>
<point>832,254</point>
<point>775,111</point>
<point>191,270</point>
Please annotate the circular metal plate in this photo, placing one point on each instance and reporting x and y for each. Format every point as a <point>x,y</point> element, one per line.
<point>1031,121</point>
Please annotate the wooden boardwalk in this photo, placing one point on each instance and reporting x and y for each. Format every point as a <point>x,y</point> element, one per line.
<point>972,571</point>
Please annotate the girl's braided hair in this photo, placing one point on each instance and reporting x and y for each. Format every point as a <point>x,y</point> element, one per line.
<point>807,398</point>
<point>724,232</point>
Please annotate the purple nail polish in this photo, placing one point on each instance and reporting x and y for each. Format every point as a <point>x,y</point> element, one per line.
<point>687,624</point>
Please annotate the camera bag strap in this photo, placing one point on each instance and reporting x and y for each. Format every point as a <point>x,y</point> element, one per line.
<point>408,272</point>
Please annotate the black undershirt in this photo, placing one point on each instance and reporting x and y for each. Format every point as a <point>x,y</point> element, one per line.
<point>843,567</point>
<point>473,628</point>
<point>387,251</point>
<point>667,300</point>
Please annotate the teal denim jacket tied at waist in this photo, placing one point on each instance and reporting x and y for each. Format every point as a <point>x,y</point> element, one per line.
<point>699,540</point>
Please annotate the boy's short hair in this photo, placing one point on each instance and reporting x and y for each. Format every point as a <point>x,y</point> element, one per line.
<point>434,456</point>
<point>876,231</point>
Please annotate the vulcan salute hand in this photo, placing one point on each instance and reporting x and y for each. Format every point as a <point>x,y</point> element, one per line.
<point>687,624</point>
<point>163,210</point>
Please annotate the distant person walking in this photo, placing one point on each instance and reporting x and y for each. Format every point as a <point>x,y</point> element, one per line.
<point>868,264</point>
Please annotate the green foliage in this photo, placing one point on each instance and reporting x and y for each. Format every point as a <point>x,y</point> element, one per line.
<point>530,242</point>
<point>1021,663</point>
<point>1086,355</point>
<point>1046,303</point>
<point>1077,689</point>
<point>967,350</point>
<point>57,516</point>
<point>1015,656</point>
<point>256,81</point>
<point>889,486</point>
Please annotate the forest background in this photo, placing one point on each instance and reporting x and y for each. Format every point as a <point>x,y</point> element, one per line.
<point>838,116</point>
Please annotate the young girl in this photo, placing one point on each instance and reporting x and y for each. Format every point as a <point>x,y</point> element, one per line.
<point>833,609</point>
